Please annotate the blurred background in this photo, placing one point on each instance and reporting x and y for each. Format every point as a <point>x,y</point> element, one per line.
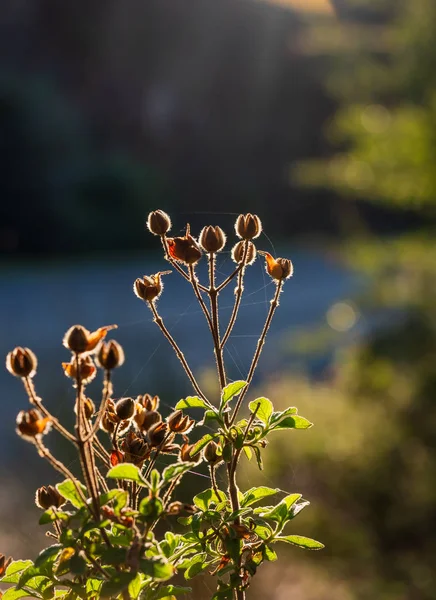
<point>318,115</point>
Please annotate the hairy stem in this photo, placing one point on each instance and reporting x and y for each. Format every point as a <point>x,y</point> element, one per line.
<point>194,281</point>
<point>159,322</point>
<point>107,391</point>
<point>213,295</point>
<point>214,483</point>
<point>260,343</point>
<point>33,398</point>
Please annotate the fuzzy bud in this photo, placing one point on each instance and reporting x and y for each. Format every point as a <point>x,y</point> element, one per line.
<point>21,362</point>
<point>87,370</point>
<point>212,454</point>
<point>157,433</point>
<point>184,249</point>
<point>185,454</point>
<point>146,418</point>
<point>248,227</point>
<point>148,402</point>
<point>212,239</point>
<point>125,408</point>
<point>110,355</point>
<point>31,424</point>
<point>88,406</point>
<point>48,496</point>
<point>238,252</point>
<point>278,268</point>
<point>158,222</point>
<point>79,340</point>
<point>179,423</point>
<point>135,448</point>
<point>149,288</point>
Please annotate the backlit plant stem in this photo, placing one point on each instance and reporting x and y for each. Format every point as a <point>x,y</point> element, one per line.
<point>238,297</point>
<point>260,343</point>
<point>159,322</point>
<point>213,295</point>
<point>107,390</point>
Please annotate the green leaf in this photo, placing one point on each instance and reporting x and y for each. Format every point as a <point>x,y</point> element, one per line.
<point>172,590</point>
<point>93,586</point>
<point>248,452</point>
<point>135,586</point>
<point>192,402</point>
<point>300,541</point>
<point>117,583</point>
<point>14,570</point>
<point>264,411</point>
<point>296,508</point>
<point>196,565</point>
<point>112,495</point>
<point>52,514</point>
<point>269,554</point>
<point>202,443</point>
<point>13,594</point>
<point>129,472</point>
<point>258,457</point>
<point>204,499</point>
<point>231,390</point>
<point>151,508</point>
<point>156,568</point>
<point>69,492</point>
<point>294,422</point>
<point>277,513</point>
<point>278,416</point>
<point>291,499</point>
<point>47,557</point>
<point>175,470</point>
<point>209,415</point>
<point>257,493</point>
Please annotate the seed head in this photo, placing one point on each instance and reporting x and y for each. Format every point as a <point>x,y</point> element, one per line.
<point>212,453</point>
<point>157,433</point>
<point>31,424</point>
<point>136,449</point>
<point>238,251</point>
<point>184,249</point>
<point>150,287</point>
<point>47,496</point>
<point>248,227</point>
<point>278,268</point>
<point>124,408</point>
<point>110,355</point>
<point>88,406</point>
<point>87,369</point>
<point>158,222</point>
<point>185,453</point>
<point>79,340</point>
<point>148,402</point>
<point>146,418</point>
<point>21,362</point>
<point>212,239</point>
<point>179,423</point>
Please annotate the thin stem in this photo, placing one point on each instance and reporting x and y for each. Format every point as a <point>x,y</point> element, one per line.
<point>231,276</point>
<point>56,464</point>
<point>175,264</point>
<point>101,451</point>
<point>86,451</point>
<point>33,398</point>
<point>213,296</point>
<point>214,484</point>
<point>195,284</point>
<point>107,390</point>
<point>260,343</point>
<point>159,322</point>
<point>238,297</point>
<point>156,454</point>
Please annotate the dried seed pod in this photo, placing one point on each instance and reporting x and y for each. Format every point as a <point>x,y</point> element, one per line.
<point>88,406</point>
<point>21,362</point>
<point>148,402</point>
<point>136,449</point>
<point>157,433</point>
<point>47,496</point>
<point>146,418</point>
<point>87,369</point>
<point>278,268</point>
<point>124,408</point>
<point>180,423</point>
<point>158,222</point>
<point>212,453</point>
<point>238,251</point>
<point>79,340</point>
<point>248,227</point>
<point>110,355</point>
<point>31,424</point>
<point>150,287</point>
<point>184,249</point>
<point>185,453</point>
<point>106,424</point>
<point>212,239</point>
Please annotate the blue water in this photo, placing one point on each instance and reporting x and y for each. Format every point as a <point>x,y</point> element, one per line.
<point>39,303</point>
